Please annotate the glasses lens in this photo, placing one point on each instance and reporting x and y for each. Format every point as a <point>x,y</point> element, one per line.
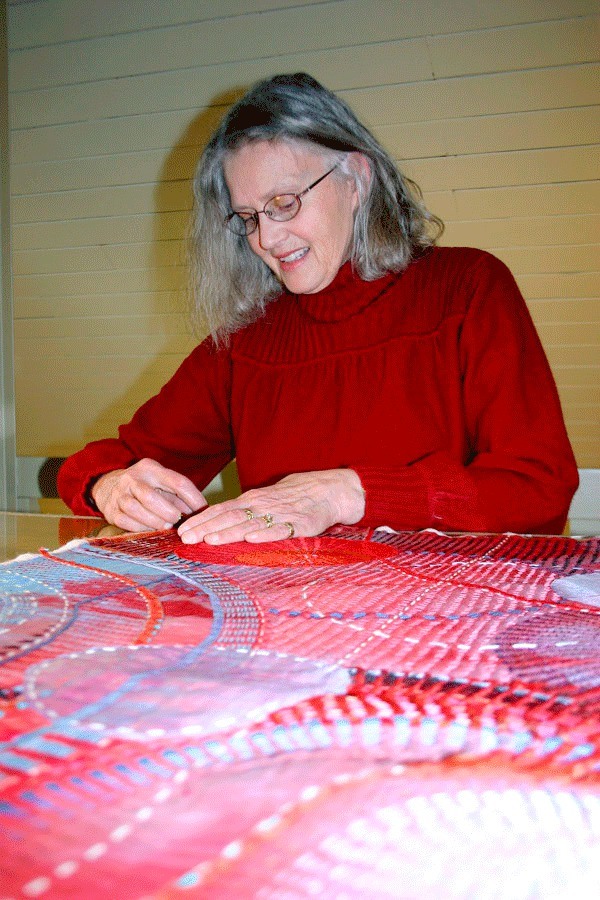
<point>241,225</point>
<point>283,207</point>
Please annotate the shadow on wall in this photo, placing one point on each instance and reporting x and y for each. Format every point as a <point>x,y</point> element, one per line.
<point>173,194</point>
<point>170,195</point>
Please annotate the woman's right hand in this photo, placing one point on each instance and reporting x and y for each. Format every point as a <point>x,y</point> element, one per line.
<point>146,497</point>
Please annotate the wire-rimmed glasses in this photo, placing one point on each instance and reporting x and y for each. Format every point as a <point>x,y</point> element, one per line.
<point>280,208</point>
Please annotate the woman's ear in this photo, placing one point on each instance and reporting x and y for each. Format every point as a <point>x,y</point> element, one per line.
<point>360,165</point>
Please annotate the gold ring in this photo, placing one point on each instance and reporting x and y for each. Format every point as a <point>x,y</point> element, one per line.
<point>290,528</point>
<point>268,520</point>
<point>249,513</point>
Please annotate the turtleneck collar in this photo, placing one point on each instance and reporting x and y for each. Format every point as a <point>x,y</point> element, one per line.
<point>346,296</point>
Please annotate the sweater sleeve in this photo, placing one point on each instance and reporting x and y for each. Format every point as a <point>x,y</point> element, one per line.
<point>185,427</point>
<point>519,473</point>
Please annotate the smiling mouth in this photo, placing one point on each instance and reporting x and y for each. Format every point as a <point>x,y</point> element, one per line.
<point>294,257</point>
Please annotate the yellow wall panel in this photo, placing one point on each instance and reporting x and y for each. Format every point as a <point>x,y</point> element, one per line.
<point>489,134</point>
<point>99,282</point>
<point>117,304</point>
<point>492,107</point>
<point>565,314</point>
<point>234,38</point>
<point>563,285</point>
<point>94,231</point>
<point>98,326</point>
<point>572,198</point>
<point>150,166</point>
<point>109,201</point>
<point>494,169</point>
<point>515,47</point>
<point>550,259</point>
<point>490,94</point>
<point>71,20</point>
<point>97,346</point>
<point>97,259</point>
<point>546,230</point>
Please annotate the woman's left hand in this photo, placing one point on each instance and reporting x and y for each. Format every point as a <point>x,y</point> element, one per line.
<point>301,505</point>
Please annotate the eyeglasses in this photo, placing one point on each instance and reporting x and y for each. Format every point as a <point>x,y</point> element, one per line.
<point>280,208</point>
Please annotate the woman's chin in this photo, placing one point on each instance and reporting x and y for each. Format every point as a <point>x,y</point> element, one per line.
<point>306,281</point>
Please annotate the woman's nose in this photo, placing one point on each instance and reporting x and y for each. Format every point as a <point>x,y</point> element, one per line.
<point>270,232</point>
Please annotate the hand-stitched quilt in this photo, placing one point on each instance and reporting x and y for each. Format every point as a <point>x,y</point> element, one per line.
<point>362,715</point>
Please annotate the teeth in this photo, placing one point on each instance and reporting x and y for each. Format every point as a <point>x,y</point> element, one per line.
<point>294,256</point>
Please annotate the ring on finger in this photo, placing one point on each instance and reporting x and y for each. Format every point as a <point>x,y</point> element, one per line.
<point>248,512</point>
<point>290,528</point>
<point>268,520</point>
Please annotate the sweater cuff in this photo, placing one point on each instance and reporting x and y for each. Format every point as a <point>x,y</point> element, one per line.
<point>398,498</point>
<point>436,492</point>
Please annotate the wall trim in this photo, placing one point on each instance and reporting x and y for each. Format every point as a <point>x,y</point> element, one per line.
<point>8,478</point>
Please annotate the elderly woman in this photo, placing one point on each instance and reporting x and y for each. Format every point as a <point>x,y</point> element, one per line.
<point>359,373</point>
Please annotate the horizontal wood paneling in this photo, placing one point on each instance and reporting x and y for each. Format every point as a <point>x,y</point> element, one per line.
<point>256,35</point>
<point>492,107</point>
<point>93,231</point>
<point>563,286</point>
<point>58,21</point>
<point>135,303</point>
<point>415,95</point>
<point>525,46</point>
<point>155,280</point>
<point>111,201</point>
<point>571,198</point>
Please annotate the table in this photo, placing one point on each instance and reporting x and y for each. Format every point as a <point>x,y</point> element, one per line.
<point>27,532</point>
<point>362,714</point>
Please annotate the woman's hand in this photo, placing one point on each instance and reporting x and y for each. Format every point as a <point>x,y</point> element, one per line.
<point>300,505</point>
<point>146,496</point>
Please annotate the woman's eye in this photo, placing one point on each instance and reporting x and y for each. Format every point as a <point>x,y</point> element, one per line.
<point>286,201</point>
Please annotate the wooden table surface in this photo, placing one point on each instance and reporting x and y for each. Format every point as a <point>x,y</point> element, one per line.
<point>27,532</point>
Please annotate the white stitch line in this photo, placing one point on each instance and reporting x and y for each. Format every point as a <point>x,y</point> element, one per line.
<point>66,869</point>
<point>95,852</point>
<point>37,887</point>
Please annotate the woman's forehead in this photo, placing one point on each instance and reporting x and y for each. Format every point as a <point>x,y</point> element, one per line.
<point>257,171</point>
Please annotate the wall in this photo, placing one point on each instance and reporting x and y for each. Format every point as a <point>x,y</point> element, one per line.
<point>7,404</point>
<point>491,106</point>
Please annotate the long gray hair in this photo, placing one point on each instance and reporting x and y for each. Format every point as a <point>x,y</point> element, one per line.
<point>392,226</point>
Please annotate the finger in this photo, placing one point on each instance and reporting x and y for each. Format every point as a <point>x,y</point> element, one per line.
<point>235,534</point>
<point>181,487</point>
<point>232,508</point>
<point>142,512</point>
<point>176,503</point>
<point>260,530</point>
<point>279,532</point>
<point>128,523</point>
<point>161,509</point>
<point>221,527</point>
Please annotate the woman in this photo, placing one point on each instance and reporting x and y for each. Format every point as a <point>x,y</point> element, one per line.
<point>359,373</point>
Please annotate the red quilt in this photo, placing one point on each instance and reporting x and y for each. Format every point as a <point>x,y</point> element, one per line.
<point>361,715</point>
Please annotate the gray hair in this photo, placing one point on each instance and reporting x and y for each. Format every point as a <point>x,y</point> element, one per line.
<point>391,227</point>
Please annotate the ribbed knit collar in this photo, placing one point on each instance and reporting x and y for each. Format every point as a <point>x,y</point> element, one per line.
<point>346,296</point>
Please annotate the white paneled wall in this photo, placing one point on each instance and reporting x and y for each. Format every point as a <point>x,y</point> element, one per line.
<point>491,106</point>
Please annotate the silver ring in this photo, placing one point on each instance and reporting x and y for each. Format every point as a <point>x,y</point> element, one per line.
<point>249,513</point>
<point>268,520</point>
<point>290,528</point>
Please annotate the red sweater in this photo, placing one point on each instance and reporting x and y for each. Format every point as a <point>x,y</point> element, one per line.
<point>431,384</point>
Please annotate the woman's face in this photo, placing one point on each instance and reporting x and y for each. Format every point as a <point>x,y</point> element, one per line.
<point>306,252</point>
